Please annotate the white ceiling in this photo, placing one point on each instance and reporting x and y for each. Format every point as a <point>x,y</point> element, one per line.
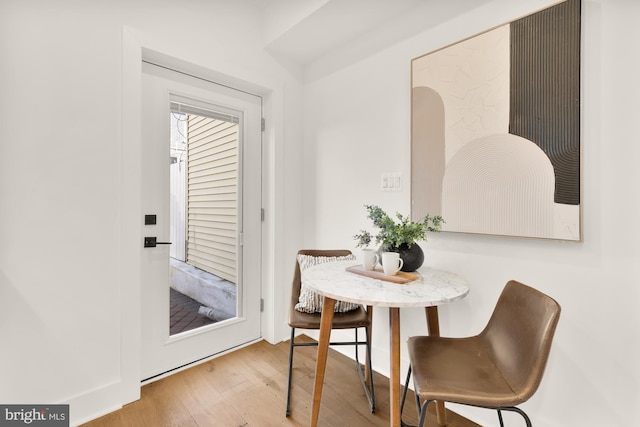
<point>301,32</point>
<point>335,23</point>
<point>261,4</point>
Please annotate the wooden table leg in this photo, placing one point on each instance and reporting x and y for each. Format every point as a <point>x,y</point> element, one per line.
<point>326,321</point>
<point>394,377</point>
<point>433,326</point>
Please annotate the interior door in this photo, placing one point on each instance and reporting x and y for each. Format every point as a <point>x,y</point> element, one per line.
<point>164,90</point>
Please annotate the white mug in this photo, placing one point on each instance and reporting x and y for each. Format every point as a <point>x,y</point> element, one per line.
<point>391,263</point>
<point>369,259</point>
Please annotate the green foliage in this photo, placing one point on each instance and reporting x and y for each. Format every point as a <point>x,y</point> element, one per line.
<point>395,232</point>
<point>363,239</point>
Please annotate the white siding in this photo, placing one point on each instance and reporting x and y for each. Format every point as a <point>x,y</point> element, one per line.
<point>212,196</point>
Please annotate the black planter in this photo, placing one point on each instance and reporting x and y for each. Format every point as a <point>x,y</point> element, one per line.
<point>412,258</point>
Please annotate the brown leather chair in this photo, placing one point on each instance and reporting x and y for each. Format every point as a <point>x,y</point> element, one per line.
<point>497,369</point>
<point>359,318</point>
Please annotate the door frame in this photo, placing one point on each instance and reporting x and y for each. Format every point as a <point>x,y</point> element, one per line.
<point>273,319</point>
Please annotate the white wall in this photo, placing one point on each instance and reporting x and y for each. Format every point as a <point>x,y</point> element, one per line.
<point>357,123</point>
<point>67,184</point>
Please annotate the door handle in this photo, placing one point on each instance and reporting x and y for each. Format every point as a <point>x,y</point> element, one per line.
<point>151,242</point>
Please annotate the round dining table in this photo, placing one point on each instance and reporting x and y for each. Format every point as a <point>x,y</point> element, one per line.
<point>345,281</point>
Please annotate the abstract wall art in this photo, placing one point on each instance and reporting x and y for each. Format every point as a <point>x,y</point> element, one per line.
<point>495,129</point>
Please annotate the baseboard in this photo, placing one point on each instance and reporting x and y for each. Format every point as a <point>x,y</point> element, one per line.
<point>95,403</point>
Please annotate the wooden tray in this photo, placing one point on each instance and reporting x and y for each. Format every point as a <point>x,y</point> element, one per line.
<point>400,277</point>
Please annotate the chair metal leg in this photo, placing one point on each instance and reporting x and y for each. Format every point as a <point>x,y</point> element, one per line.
<point>500,418</point>
<point>288,410</point>
<point>423,413</point>
<point>420,409</point>
<point>372,397</point>
<point>514,409</point>
<point>404,391</point>
<point>404,397</point>
<point>368,388</point>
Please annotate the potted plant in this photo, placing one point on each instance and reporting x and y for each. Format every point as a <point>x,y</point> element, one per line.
<point>399,235</point>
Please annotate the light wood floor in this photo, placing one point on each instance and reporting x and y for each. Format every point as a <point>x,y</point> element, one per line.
<point>249,388</point>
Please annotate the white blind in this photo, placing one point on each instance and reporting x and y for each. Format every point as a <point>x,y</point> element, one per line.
<point>181,107</point>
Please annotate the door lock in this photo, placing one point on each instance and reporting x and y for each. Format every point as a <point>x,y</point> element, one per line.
<point>151,242</point>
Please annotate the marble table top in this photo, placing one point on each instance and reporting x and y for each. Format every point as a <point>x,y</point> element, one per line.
<point>433,287</point>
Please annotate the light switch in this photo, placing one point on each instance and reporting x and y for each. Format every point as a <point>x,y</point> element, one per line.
<point>391,181</point>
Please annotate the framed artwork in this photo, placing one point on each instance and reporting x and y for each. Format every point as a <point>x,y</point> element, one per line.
<point>495,129</point>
